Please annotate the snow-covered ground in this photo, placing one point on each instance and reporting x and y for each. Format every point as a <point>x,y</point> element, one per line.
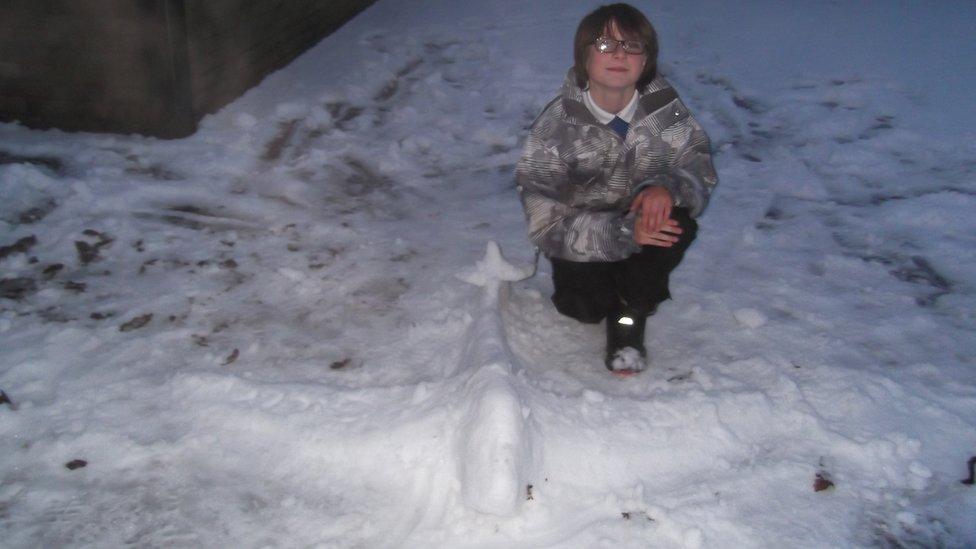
<point>291,329</point>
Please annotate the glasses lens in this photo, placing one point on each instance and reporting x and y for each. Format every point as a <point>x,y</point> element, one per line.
<point>605,45</point>
<point>609,45</point>
<point>633,46</point>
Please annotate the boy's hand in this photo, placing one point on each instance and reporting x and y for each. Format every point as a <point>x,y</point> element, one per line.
<point>665,238</point>
<point>653,205</point>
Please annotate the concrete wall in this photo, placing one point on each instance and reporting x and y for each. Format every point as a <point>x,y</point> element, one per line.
<point>234,43</point>
<point>147,66</point>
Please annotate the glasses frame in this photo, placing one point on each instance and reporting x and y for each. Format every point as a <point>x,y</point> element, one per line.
<point>605,44</point>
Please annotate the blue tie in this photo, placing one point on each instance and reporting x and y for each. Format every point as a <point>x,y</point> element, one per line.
<point>618,125</point>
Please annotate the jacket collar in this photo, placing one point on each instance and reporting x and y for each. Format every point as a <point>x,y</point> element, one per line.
<point>604,117</point>
<point>656,95</point>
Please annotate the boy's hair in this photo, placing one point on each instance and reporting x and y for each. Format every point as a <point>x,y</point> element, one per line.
<point>632,25</point>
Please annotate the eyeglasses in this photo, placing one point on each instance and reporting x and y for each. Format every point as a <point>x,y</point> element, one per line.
<point>609,45</point>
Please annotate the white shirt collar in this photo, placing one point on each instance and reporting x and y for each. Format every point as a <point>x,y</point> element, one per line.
<point>626,114</point>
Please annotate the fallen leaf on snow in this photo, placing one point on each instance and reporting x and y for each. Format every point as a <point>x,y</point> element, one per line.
<point>136,323</point>
<point>233,356</point>
<point>75,464</point>
<point>822,482</point>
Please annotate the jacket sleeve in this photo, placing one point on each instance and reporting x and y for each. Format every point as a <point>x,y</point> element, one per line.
<point>557,228</point>
<point>690,176</point>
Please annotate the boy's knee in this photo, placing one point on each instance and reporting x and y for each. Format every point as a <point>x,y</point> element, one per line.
<point>689,227</point>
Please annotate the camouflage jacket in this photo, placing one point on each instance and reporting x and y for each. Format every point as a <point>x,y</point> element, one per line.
<point>577,178</point>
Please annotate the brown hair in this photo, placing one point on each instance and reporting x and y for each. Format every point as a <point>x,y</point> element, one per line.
<point>632,25</point>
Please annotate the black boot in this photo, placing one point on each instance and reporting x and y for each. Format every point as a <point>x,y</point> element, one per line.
<point>626,353</point>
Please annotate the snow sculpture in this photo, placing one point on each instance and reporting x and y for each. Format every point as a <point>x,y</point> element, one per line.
<point>495,448</point>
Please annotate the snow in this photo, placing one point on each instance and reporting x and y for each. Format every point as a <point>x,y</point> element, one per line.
<point>750,318</point>
<point>627,360</point>
<point>493,270</point>
<point>313,322</point>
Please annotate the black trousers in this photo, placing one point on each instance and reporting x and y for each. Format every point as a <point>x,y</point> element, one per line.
<point>591,291</point>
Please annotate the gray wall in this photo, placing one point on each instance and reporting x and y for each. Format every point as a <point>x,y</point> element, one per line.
<point>147,66</point>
